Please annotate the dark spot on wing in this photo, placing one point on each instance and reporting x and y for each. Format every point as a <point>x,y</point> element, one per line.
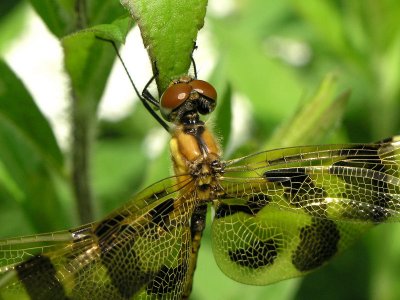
<point>362,156</point>
<point>299,189</point>
<point>253,205</point>
<point>318,243</point>
<point>157,195</point>
<point>278,161</point>
<point>225,210</point>
<point>386,140</point>
<point>122,262</point>
<point>167,280</point>
<point>38,275</point>
<point>160,214</point>
<point>258,254</point>
<point>365,174</point>
<point>116,243</point>
<point>107,225</point>
<point>116,240</point>
<point>256,202</point>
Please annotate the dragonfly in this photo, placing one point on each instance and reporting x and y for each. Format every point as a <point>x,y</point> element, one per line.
<point>277,214</point>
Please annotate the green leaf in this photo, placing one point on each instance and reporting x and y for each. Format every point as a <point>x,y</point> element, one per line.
<point>29,154</point>
<point>12,23</point>
<point>59,16</point>
<point>63,17</point>
<point>314,118</point>
<point>20,113</point>
<point>10,210</point>
<point>169,29</point>
<point>103,12</point>
<point>116,32</point>
<point>88,59</point>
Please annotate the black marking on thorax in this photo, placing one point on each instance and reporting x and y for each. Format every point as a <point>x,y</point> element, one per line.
<point>38,275</point>
<point>198,219</point>
<point>195,127</point>
<point>197,130</point>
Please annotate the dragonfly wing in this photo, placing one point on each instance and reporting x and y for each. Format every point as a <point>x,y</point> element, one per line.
<point>276,244</point>
<point>286,212</point>
<point>140,251</point>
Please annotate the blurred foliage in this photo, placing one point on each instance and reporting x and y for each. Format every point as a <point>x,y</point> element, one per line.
<point>293,62</point>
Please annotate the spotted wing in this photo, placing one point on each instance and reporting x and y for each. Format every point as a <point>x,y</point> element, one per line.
<point>286,212</point>
<point>140,251</point>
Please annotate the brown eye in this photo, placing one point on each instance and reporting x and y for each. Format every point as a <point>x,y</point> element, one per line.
<point>204,88</point>
<point>207,96</point>
<point>173,97</point>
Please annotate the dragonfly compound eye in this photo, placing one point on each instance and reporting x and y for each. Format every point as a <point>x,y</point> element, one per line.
<point>208,96</point>
<point>173,97</point>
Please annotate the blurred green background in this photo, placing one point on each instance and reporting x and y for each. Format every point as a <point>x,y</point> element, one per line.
<point>286,64</point>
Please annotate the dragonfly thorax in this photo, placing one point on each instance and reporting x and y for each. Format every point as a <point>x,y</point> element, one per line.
<point>196,156</point>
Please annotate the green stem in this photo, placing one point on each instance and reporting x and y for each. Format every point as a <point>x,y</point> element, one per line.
<point>81,142</point>
<point>81,148</point>
<point>81,20</point>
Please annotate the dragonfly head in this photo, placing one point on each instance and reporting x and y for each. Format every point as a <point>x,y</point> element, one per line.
<point>187,95</point>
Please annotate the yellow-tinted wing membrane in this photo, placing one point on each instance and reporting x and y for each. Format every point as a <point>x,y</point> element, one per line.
<point>286,212</point>
<point>140,251</point>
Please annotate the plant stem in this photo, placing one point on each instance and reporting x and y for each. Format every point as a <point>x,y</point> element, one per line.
<point>82,140</point>
<point>81,149</point>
